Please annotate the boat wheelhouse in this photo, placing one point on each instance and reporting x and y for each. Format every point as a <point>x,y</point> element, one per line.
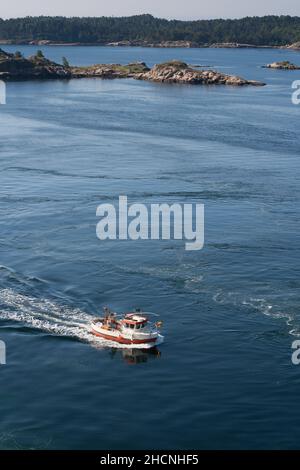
<point>133,328</point>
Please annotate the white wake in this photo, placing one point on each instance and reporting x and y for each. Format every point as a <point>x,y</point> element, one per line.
<point>48,316</point>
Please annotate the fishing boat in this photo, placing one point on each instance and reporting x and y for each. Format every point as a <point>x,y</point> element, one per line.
<point>133,328</point>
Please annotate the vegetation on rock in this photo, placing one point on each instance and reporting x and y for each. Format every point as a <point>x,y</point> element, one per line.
<point>39,67</point>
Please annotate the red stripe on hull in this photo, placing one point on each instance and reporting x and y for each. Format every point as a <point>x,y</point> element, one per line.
<point>123,340</point>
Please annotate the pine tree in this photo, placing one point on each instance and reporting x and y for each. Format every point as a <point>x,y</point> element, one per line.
<point>65,62</point>
<point>18,55</point>
<point>39,54</point>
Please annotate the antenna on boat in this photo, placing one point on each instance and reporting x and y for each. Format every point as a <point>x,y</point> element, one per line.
<point>152,313</point>
<point>106,310</point>
<point>139,310</point>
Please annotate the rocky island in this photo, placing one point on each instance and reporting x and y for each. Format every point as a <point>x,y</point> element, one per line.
<point>180,72</point>
<point>16,67</point>
<point>284,65</point>
<point>109,70</point>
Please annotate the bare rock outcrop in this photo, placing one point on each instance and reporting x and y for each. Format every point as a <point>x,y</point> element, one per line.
<point>180,72</point>
<point>144,43</point>
<point>231,45</point>
<point>295,45</point>
<point>284,65</point>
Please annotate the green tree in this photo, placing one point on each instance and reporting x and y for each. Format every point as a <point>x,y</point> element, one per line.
<point>266,30</point>
<point>39,54</point>
<point>18,55</point>
<point>65,62</point>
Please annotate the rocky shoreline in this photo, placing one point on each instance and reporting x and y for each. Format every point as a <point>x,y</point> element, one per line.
<point>158,44</point>
<point>16,67</point>
<point>295,46</point>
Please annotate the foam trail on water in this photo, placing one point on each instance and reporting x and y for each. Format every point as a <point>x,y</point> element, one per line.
<point>46,315</point>
<point>264,305</point>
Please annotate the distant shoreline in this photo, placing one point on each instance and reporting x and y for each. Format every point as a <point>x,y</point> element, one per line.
<point>161,45</point>
<point>259,32</point>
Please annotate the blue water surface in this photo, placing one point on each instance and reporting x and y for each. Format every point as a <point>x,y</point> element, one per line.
<point>223,377</point>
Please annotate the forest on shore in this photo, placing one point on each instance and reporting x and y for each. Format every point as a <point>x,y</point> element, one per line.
<point>267,30</point>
